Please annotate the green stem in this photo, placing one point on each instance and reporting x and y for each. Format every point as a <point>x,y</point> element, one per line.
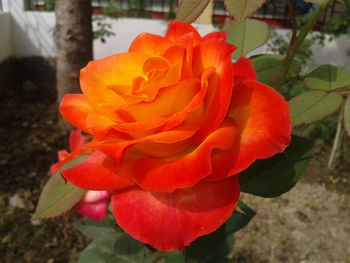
<point>294,47</point>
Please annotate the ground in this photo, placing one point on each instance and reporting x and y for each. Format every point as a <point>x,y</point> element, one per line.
<point>308,224</point>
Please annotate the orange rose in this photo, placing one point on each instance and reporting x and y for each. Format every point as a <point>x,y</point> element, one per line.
<point>174,121</point>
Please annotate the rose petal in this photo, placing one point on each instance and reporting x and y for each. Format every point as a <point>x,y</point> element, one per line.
<point>262,116</point>
<point>148,115</point>
<point>115,146</point>
<point>95,197</point>
<point>244,70</point>
<point>96,210</point>
<point>212,52</point>
<point>62,154</point>
<point>62,160</point>
<point>217,34</point>
<point>75,140</point>
<point>177,29</point>
<point>217,101</point>
<point>166,175</point>
<point>217,52</point>
<point>117,70</point>
<point>197,101</point>
<point>97,172</point>
<point>55,167</point>
<point>98,124</point>
<point>175,54</point>
<point>150,44</point>
<point>171,221</point>
<point>75,109</point>
<point>94,204</point>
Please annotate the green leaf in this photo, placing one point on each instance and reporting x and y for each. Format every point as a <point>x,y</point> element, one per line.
<point>246,35</point>
<point>95,229</point>
<point>115,247</point>
<point>316,1</point>
<point>240,9</point>
<point>267,67</point>
<point>327,78</point>
<point>274,176</point>
<point>209,248</point>
<point>313,106</point>
<point>347,115</point>
<point>175,257</point>
<point>58,196</point>
<point>189,10</point>
<point>238,219</point>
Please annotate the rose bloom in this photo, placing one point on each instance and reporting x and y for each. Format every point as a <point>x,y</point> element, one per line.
<point>94,204</point>
<point>174,121</point>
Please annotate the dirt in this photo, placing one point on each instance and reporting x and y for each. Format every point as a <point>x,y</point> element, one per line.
<point>308,224</point>
<point>30,137</point>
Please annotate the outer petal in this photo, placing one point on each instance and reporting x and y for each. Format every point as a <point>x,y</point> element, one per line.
<point>64,157</point>
<point>212,52</point>
<point>244,70</point>
<point>97,172</point>
<point>217,34</point>
<point>262,116</point>
<point>215,51</point>
<point>150,44</point>
<point>177,29</point>
<point>75,140</point>
<point>96,211</point>
<point>217,101</point>
<point>94,204</point>
<point>54,168</point>
<point>95,197</point>
<point>75,109</point>
<point>168,174</point>
<point>171,221</point>
<point>115,146</point>
<point>62,154</point>
<point>98,124</point>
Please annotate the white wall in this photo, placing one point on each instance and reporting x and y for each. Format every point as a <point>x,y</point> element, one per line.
<point>32,31</point>
<point>32,34</point>
<point>5,36</point>
<point>126,29</point>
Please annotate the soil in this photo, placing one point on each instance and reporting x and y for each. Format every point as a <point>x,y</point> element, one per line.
<point>30,138</point>
<point>308,224</point>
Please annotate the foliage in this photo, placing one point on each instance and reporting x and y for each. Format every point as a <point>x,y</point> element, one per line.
<point>241,9</point>
<point>279,44</point>
<point>295,85</point>
<point>188,11</point>
<point>111,9</point>
<point>246,35</point>
<point>263,178</point>
<point>103,28</point>
<point>58,196</point>
<point>339,25</point>
<point>49,5</point>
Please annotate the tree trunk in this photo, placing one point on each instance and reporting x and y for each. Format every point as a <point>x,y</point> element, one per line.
<point>74,43</point>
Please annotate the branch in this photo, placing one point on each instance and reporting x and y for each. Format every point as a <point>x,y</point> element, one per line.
<point>337,139</point>
<point>294,47</point>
